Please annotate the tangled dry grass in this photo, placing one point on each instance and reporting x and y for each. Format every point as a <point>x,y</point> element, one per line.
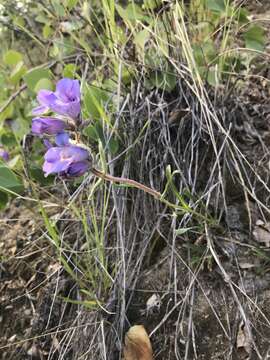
<point>197,275</point>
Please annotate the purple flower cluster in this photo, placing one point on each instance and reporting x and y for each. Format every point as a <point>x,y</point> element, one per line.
<point>64,159</point>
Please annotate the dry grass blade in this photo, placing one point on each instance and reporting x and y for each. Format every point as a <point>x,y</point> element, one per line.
<point>137,344</point>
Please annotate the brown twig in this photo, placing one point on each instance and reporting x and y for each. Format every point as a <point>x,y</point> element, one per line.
<point>126,181</point>
<point>13,97</point>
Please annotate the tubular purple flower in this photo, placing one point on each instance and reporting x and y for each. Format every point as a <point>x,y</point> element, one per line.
<point>76,169</point>
<point>64,101</point>
<point>47,126</point>
<point>4,155</point>
<point>58,160</point>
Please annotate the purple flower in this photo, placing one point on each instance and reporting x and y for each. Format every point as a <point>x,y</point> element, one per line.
<point>64,101</point>
<point>4,155</point>
<point>62,139</point>
<point>69,159</point>
<point>48,126</point>
<point>76,169</point>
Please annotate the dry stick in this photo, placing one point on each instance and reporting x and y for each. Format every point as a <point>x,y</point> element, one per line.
<point>13,97</point>
<point>126,181</point>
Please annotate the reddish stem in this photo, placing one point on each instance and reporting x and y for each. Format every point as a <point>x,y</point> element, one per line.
<point>126,181</point>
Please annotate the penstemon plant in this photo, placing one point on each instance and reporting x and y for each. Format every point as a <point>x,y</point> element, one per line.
<point>68,158</point>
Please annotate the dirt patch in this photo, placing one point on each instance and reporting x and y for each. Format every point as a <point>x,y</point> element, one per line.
<point>30,282</point>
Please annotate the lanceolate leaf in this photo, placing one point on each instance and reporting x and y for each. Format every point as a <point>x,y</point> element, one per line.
<point>9,181</point>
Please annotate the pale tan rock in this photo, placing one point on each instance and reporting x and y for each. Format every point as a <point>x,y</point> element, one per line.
<point>137,344</point>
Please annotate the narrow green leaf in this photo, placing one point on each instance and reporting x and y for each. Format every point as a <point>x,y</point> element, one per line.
<point>183,230</point>
<point>90,304</point>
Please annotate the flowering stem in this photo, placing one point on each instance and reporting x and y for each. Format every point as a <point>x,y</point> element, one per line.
<point>126,181</point>
<point>146,189</point>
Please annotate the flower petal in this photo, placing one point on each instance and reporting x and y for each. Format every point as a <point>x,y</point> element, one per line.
<point>71,109</point>
<point>48,126</point>
<point>55,167</point>
<point>77,169</point>
<point>68,90</point>
<point>62,139</point>
<point>53,154</point>
<point>39,110</point>
<point>74,109</point>
<point>46,97</point>
<point>76,153</point>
